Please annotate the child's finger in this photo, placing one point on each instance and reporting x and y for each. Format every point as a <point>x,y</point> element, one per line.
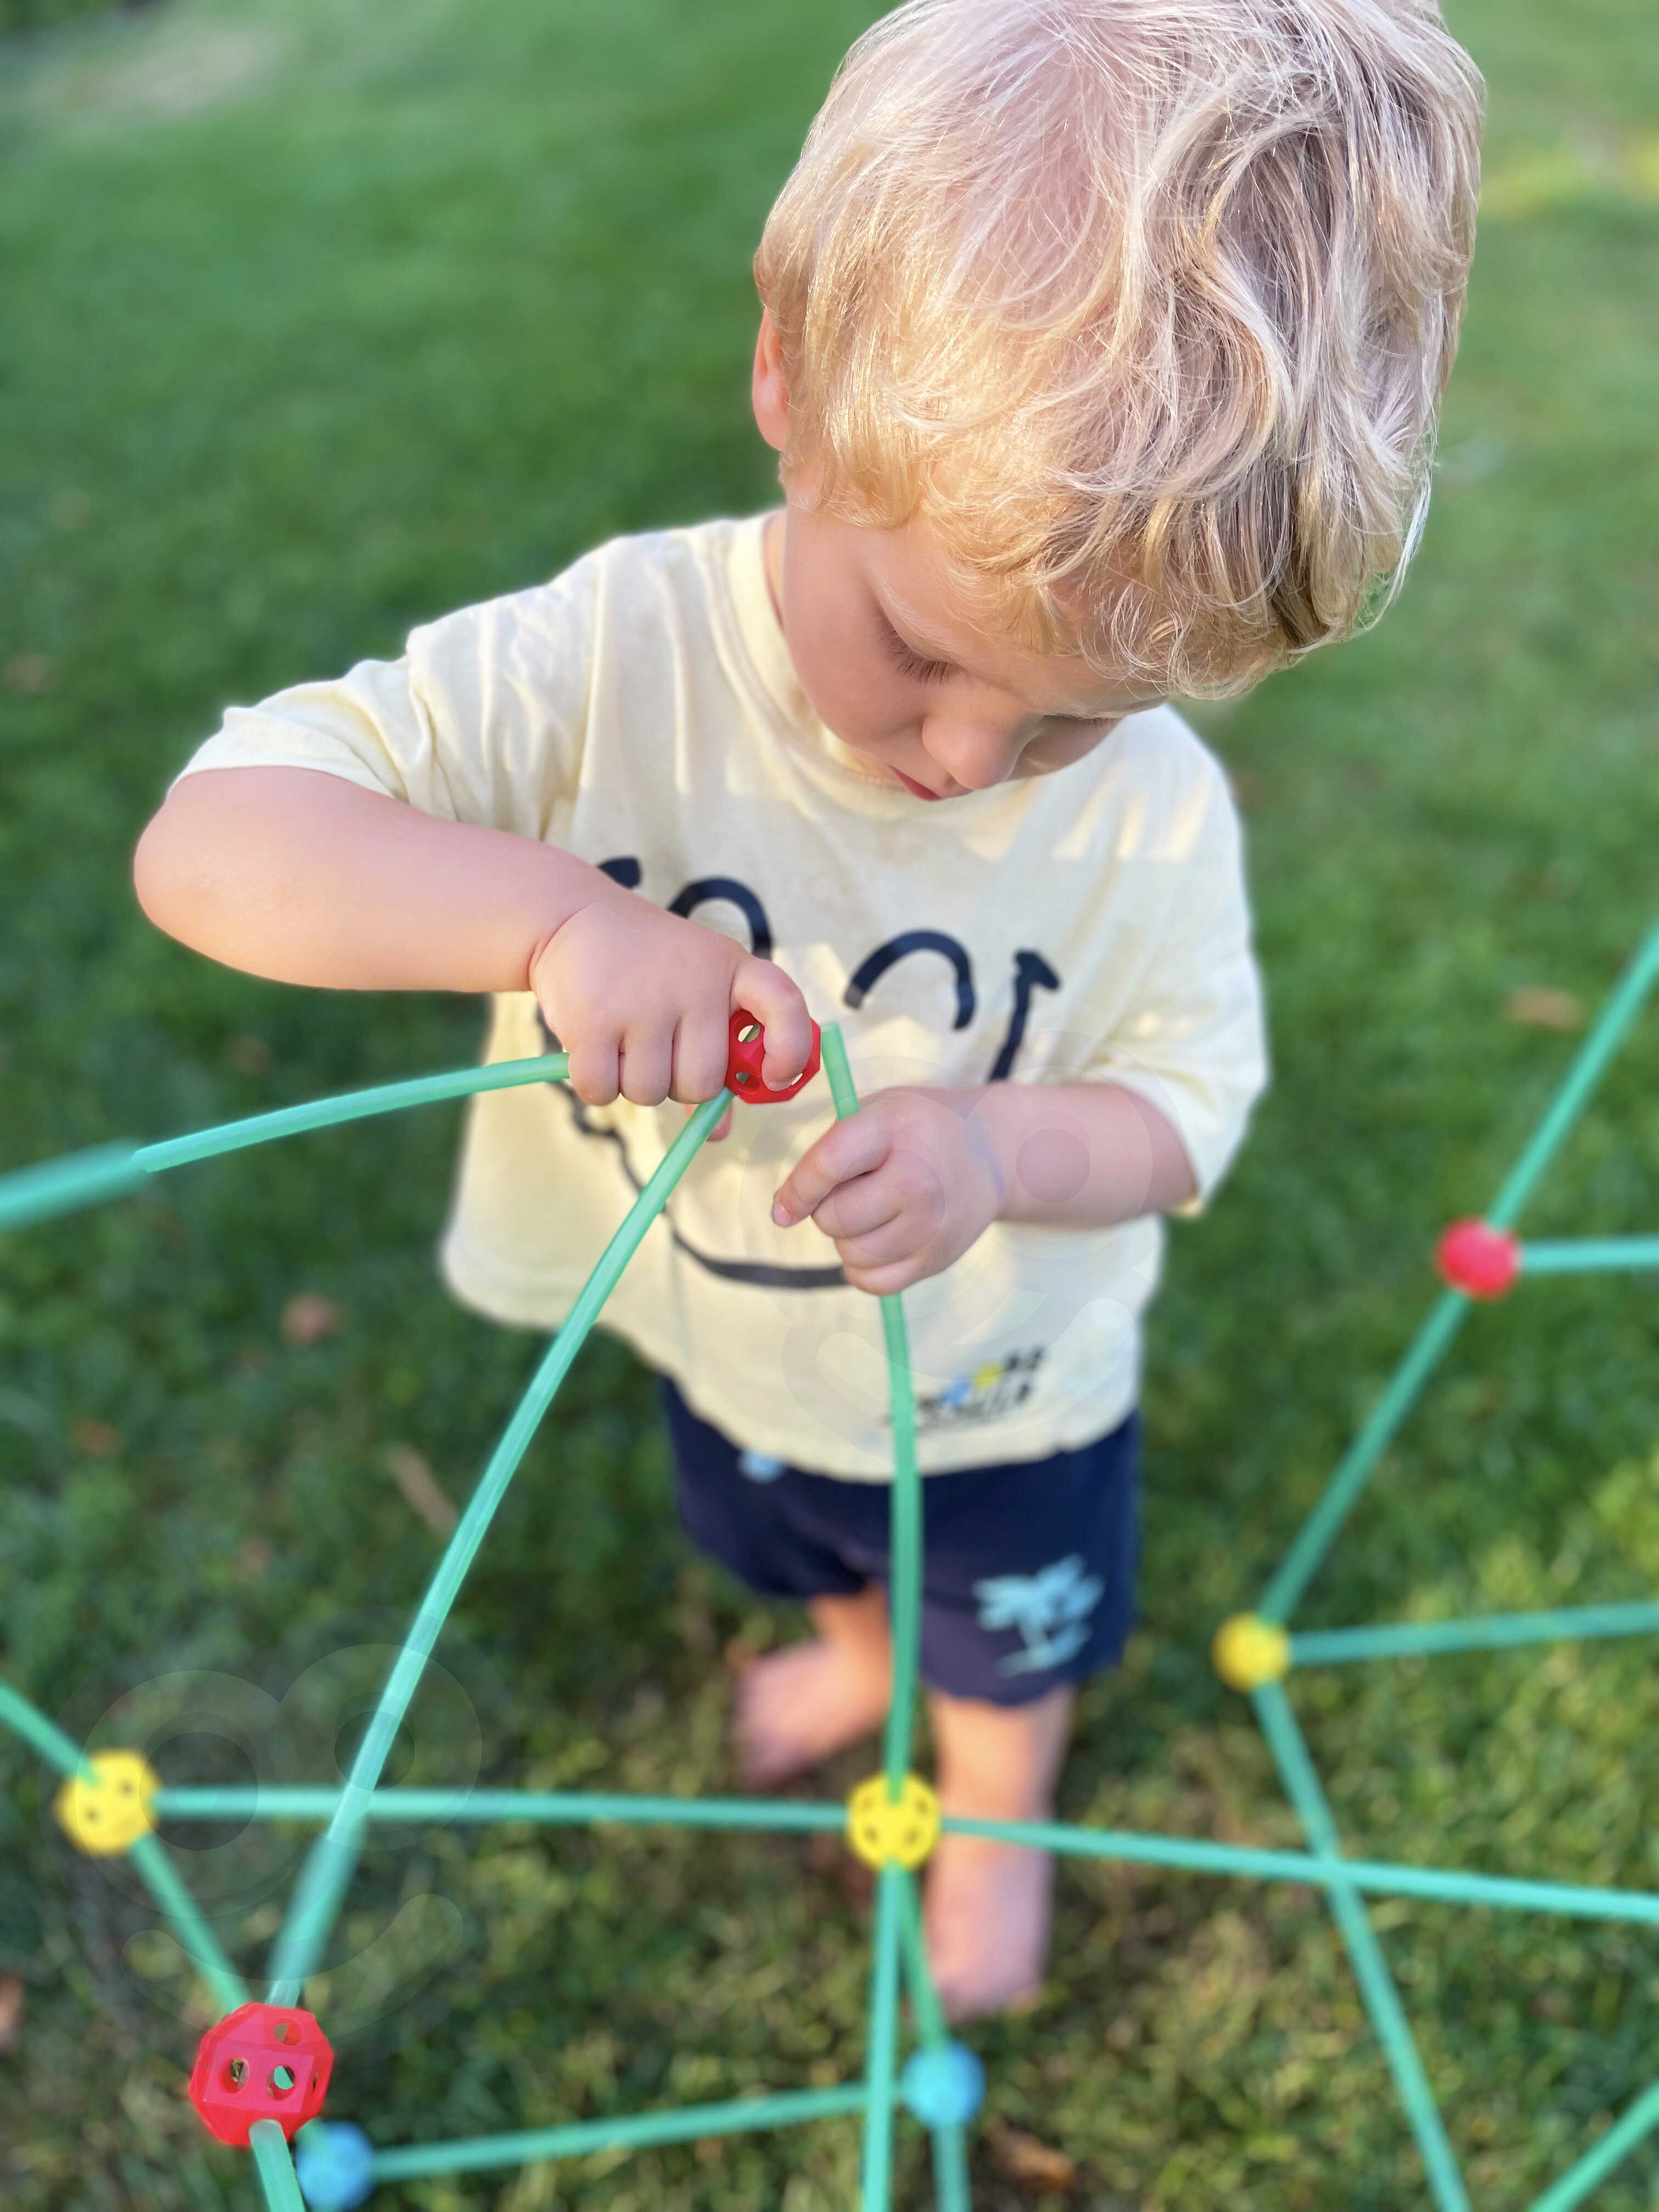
<point>893,1241</point>
<point>883,1282</point>
<point>594,1069</point>
<point>721,1128</point>
<point>703,1046</point>
<point>777,1004</point>
<point>857,1208</point>
<point>851,1148</point>
<point>647,1065</point>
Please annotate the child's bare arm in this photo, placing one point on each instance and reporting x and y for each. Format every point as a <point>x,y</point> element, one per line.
<point>1085,1155</point>
<point>302,877</point>
<point>298,875</point>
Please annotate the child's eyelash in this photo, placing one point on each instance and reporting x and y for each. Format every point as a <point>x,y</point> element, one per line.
<point>912,664</point>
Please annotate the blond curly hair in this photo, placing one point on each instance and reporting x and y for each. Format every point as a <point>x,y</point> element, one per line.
<point>1146,305</point>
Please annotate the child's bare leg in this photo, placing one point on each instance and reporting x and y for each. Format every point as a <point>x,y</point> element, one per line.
<point>989,1904</point>
<point>803,1704</point>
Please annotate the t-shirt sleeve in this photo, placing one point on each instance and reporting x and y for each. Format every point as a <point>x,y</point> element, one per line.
<point>482,719</point>
<point>1193,1038</point>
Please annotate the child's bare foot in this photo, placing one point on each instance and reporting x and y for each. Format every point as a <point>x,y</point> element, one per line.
<point>988,1910</point>
<point>804,1704</point>
<point>989,1904</point>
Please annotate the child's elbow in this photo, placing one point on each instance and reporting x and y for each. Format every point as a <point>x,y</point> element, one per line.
<point>168,872</point>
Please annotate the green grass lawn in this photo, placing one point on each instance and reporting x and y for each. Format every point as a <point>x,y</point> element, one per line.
<point>324,316</point>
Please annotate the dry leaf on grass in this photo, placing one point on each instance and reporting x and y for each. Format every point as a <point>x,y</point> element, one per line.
<point>248,1056</point>
<point>11,2011</point>
<point>95,1438</point>
<point>1540,1008</point>
<point>1026,2161</point>
<point>307,1318</point>
<point>421,1491</point>
<point>31,673</point>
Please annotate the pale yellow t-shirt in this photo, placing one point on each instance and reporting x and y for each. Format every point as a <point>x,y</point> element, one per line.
<point>642,710</point>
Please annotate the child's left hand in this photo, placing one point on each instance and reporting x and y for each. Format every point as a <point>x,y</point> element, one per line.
<point>904,1187</point>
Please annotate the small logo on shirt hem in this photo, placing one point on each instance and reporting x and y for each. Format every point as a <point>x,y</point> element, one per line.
<point>999,1388</point>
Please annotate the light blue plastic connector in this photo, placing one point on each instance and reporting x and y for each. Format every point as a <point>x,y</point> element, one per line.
<point>942,2087</point>
<point>334,2164</point>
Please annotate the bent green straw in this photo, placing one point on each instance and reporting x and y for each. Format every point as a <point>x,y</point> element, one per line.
<point>324,1877</point>
<point>116,1170</point>
<point>629,2131</point>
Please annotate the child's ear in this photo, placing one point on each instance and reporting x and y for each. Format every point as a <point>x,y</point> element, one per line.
<point>770,393</point>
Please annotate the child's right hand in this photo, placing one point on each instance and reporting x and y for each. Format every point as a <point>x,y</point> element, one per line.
<point>642,1002</point>
<point>301,875</point>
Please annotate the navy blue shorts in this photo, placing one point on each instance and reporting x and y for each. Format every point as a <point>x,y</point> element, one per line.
<point>1028,1568</point>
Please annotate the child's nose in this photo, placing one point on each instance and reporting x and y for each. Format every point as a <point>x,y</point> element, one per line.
<point>975,754</point>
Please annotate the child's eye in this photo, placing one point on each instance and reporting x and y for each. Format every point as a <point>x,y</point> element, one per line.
<point>913,665</point>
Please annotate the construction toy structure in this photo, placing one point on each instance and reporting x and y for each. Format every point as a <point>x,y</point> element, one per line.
<point>262,2069</point>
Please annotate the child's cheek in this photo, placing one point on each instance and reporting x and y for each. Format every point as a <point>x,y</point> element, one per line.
<point>856,702</point>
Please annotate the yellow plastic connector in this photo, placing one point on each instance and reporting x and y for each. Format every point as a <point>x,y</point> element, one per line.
<point>106,1812</point>
<point>884,1831</point>
<point>1249,1651</point>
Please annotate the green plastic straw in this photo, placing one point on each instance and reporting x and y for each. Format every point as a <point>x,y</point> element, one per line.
<point>180,1910</point>
<point>904,1567</point>
<point>1444,1886</point>
<point>1376,1987</point>
<point>952,2190</point>
<point>1333,1647</point>
<point>59,1186</point>
<point>328,1865</point>
<point>543,1807</point>
<point>1619,2140</point>
<point>351,1106</point>
<point>35,1193</point>
<point>41,1735</point>
<point>904,1601</point>
<point>1435,1884</point>
<point>1590,1255</point>
<point>690,2123</point>
<point>1318,1532</point>
<point>882,2047</point>
<point>918,1977</point>
<point>1611,1027</point>
<point>275,2167</point>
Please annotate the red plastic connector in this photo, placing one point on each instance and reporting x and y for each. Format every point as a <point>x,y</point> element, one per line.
<point>260,2062</point>
<point>1479,1259</point>
<point>742,1067</point>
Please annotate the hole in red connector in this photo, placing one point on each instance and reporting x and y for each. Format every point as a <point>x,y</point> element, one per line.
<point>748,1032</point>
<point>281,2081</point>
<point>283,2031</point>
<point>743,1076</point>
<point>235,2073</point>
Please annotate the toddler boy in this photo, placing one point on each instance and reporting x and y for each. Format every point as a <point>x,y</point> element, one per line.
<point>1102,347</point>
